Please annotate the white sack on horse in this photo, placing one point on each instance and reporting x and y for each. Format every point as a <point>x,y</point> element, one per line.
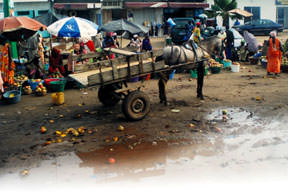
<point>174,55</point>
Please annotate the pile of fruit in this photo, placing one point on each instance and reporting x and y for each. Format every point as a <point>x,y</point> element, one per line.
<point>36,80</point>
<point>214,63</point>
<point>227,60</point>
<point>40,90</point>
<point>235,63</point>
<point>17,84</point>
<point>27,90</point>
<point>21,78</point>
<point>57,74</point>
<point>11,95</point>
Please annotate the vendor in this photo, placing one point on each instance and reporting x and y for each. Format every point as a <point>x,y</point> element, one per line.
<point>78,50</point>
<point>7,65</point>
<point>136,43</point>
<point>109,42</point>
<point>55,62</point>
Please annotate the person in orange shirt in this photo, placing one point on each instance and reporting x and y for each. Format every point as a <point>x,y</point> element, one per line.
<point>274,55</point>
<point>7,64</point>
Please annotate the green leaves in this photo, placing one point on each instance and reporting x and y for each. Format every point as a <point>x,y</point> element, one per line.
<point>221,7</point>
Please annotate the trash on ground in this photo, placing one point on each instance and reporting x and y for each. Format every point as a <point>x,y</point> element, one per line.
<point>120,128</point>
<point>175,110</point>
<point>111,160</point>
<point>25,172</point>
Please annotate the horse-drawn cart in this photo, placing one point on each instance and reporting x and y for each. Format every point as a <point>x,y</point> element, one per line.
<point>112,76</point>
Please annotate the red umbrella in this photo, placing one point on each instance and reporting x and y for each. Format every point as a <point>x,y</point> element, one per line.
<point>14,28</point>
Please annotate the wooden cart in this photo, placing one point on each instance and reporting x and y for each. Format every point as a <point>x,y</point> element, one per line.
<point>112,77</point>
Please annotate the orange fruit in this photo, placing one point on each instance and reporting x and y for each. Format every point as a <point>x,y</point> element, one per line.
<point>43,129</point>
<point>111,160</point>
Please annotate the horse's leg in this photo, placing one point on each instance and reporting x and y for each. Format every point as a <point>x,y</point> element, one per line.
<point>200,79</point>
<point>162,88</point>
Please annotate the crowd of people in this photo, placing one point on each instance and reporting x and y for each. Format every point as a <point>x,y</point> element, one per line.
<point>33,49</point>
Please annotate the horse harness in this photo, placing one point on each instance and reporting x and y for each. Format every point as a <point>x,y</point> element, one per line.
<point>194,49</point>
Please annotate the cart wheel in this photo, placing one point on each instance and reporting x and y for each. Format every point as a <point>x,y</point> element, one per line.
<point>107,96</point>
<point>136,105</point>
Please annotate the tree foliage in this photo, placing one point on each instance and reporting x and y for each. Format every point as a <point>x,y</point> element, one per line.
<point>222,8</point>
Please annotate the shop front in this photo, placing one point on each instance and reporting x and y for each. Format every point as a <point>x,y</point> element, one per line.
<point>90,11</point>
<point>282,12</point>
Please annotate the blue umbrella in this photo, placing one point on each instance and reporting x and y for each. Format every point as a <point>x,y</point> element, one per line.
<point>73,27</point>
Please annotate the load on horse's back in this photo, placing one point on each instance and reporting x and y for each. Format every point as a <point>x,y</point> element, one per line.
<point>189,53</point>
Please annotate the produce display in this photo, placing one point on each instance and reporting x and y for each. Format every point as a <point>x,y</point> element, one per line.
<point>57,74</point>
<point>21,78</point>
<point>235,63</point>
<point>214,63</point>
<point>40,90</point>
<point>27,90</point>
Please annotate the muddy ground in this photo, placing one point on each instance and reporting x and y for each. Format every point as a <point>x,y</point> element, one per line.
<point>23,146</point>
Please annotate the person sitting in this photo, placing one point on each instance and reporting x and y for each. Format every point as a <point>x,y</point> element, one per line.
<point>55,62</point>
<point>146,44</point>
<point>135,43</point>
<point>115,38</point>
<point>78,50</point>
<point>109,42</point>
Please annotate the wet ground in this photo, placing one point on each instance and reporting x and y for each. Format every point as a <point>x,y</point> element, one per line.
<point>243,149</point>
<point>185,145</point>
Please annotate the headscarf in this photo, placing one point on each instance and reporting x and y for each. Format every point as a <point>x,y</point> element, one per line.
<point>273,34</point>
<point>251,41</point>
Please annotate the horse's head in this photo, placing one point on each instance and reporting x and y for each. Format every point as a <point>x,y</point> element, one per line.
<point>214,46</point>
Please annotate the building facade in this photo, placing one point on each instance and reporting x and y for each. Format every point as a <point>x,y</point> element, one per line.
<point>275,10</point>
<point>158,11</point>
<point>30,8</point>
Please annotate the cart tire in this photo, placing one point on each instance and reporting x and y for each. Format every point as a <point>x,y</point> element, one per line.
<point>136,105</point>
<point>107,96</point>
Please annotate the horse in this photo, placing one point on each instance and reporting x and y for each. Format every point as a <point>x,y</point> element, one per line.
<point>189,52</point>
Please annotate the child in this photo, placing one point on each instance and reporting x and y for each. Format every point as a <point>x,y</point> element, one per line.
<point>146,44</point>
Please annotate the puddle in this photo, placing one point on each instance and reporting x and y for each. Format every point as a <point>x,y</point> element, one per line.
<point>248,149</point>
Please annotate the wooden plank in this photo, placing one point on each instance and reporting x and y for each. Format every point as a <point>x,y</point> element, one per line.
<point>65,61</point>
<point>87,56</point>
<point>119,51</point>
<point>94,79</point>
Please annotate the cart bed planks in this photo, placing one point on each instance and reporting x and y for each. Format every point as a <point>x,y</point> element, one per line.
<point>123,68</point>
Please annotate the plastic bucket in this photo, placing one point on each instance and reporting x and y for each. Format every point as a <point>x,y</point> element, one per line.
<point>226,63</point>
<point>215,70</point>
<point>57,98</point>
<point>235,68</point>
<point>12,97</point>
<point>148,77</point>
<point>193,74</point>
<point>171,76</point>
<point>264,63</point>
<point>57,86</point>
<point>48,81</point>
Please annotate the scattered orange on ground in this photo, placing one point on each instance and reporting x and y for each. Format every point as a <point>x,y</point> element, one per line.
<point>111,160</point>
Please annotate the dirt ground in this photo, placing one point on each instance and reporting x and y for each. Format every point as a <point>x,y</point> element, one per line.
<point>22,144</point>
